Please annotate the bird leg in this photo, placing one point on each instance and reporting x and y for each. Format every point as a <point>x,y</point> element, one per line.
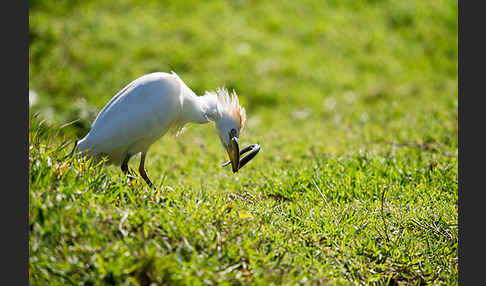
<point>124,167</point>
<point>141,169</point>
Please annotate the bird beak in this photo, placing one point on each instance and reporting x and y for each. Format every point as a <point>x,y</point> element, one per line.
<point>234,154</point>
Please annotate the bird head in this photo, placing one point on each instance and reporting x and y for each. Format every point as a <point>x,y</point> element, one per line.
<point>229,122</point>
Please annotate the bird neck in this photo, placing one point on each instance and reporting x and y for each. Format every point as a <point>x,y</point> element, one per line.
<point>198,109</point>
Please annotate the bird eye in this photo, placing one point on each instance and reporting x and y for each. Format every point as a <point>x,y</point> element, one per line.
<point>232,133</point>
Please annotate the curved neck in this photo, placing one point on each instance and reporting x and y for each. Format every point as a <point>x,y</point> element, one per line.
<point>198,109</point>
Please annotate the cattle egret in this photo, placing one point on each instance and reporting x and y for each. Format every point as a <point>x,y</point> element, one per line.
<point>149,107</point>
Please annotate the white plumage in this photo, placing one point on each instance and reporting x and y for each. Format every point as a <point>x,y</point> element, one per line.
<point>148,108</point>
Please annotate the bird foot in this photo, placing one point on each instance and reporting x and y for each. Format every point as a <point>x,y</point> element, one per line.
<point>131,177</point>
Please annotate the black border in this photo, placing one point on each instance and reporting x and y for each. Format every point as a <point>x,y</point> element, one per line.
<point>14,211</point>
<point>471,79</point>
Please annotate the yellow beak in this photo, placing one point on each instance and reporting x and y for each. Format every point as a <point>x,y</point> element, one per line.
<point>234,154</point>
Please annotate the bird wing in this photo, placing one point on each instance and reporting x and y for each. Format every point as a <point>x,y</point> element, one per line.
<point>143,111</point>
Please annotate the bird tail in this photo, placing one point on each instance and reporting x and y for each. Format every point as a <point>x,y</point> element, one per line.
<point>80,148</point>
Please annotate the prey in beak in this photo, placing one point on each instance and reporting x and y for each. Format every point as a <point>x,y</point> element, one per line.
<point>234,153</point>
<point>253,150</point>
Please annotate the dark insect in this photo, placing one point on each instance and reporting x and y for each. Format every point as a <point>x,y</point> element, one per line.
<point>253,148</point>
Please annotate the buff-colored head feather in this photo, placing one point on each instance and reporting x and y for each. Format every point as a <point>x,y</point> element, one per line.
<point>230,105</point>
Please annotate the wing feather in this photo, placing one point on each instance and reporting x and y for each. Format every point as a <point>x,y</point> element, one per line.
<point>139,114</point>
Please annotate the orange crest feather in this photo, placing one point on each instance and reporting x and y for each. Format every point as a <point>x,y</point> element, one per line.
<point>232,106</point>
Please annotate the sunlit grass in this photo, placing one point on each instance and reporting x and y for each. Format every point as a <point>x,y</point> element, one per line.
<point>354,104</point>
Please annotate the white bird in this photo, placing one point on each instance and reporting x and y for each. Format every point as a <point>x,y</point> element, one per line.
<point>150,106</point>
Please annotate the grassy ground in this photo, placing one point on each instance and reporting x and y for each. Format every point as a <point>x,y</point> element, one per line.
<point>353,102</point>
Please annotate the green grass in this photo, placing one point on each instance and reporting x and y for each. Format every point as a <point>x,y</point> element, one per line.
<point>354,104</point>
